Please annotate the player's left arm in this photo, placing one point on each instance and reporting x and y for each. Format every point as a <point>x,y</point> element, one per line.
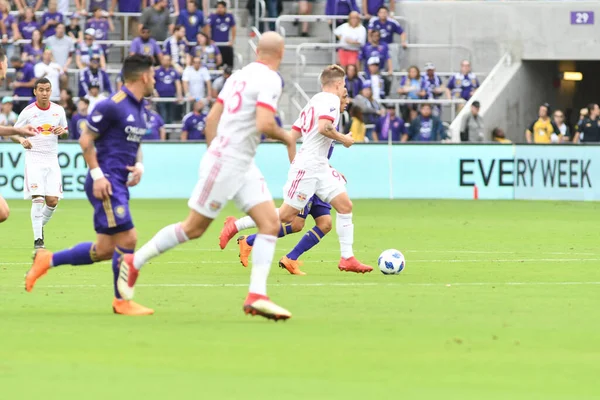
<point>62,130</point>
<point>212,120</point>
<point>136,171</point>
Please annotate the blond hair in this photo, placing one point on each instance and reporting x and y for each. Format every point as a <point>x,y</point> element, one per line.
<point>332,73</point>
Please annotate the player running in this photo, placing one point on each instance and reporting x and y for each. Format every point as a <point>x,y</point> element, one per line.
<point>317,208</point>
<point>43,179</point>
<point>111,148</point>
<point>245,107</point>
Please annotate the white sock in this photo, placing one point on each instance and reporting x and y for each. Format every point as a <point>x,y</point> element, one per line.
<point>245,223</point>
<point>345,230</point>
<point>262,257</point>
<point>47,213</point>
<point>37,221</point>
<point>167,238</point>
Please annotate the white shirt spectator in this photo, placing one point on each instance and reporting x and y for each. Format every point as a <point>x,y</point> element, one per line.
<point>8,120</point>
<point>196,79</point>
<point>63,6</point>
<point>376,85</point>
<point>346,31</point>
<point>94,100</point>
<point>61,48</point>
<point>52,73</point>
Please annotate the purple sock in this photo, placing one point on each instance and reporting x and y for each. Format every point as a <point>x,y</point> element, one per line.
<point>308,241</point>
<point>285,229</point>
<point>119,251</point>
<point>81,254</point>
<point>250,239</point>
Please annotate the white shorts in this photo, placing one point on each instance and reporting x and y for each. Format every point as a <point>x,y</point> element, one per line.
<point>303,183</point>
<point>220,182</point>
<point>42,180</point>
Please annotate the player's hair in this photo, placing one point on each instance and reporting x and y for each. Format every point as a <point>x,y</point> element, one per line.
<point>331,74</point>
<point>135,65</point>
<point>41,81</point>
<point>2,53</point>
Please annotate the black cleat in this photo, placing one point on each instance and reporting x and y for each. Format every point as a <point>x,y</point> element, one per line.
<point>39,244</point>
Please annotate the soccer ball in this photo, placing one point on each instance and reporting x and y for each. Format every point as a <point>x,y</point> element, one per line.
<point>391,262</point>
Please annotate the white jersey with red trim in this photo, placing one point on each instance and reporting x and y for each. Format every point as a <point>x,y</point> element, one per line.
<point>255,85</point>
<point>44,145</point>
<point>315,146</point>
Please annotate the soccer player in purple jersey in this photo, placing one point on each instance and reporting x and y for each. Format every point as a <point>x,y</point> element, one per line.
<point>317,208</point>
<point>111,148</point>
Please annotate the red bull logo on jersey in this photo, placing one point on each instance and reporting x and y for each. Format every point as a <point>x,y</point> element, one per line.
<point>45,129</point>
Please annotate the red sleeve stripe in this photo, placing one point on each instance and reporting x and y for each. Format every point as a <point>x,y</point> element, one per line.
<point>327,117</point>
<point>265,105</point>
<point>219,100</point>
<point>295,128</point>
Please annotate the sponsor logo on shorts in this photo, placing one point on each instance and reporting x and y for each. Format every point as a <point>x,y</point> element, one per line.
<point>33,186</point>
<point>120,211</point>
<point>301,196</point>
<point>214,205</point>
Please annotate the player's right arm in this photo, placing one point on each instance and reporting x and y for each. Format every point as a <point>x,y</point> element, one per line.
<point>212,120</point>
<point>266,108</point>
<point>20,129</point>
<point>327,129</point>
<point>97,123</point>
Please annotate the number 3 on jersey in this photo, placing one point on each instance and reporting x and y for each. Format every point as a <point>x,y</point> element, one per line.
<point>233,102</point>
<point>308,120</point>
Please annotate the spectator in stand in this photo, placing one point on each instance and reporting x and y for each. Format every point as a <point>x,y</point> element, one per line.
<point>28,24</point>
<point>9,28</point>
<point>358,129</point>
<point>145,45</point>
<point>47,68</point>
<point>499,136</point>
<point>80,5</point>
<point>464,83</point>
<point>218,83</point>
<point>425,127</point>
<point>66,102</point>
<point>375,48</point>
<point>7,116</point>
<point>472,128</point>
<point>390,126</point>
<point>101,26</point>
<point>157,19</point>
<point>88,49</point>
<point>192,20</point>
<point>220,26</point>
<point>79,119</point>
<point>208,53</point>
<point>369,106</point>
<point>352,36</point>
<point>583,113</point>
<point>196,81</point>
<point>74,29</point>
<point>432,87</point>
<point>559,120</point>
<point>156,125</point>
<point>23,84</point>
<point>62,50</point>
<point>176,46</point>
<point>168,84</point>
<point>340,7</point>
<point>128,6</point>
<point>274,9</point>
<point>589,130</point>
<point>353,82</point>
<point>32,52</point>
<point>410,88</point>
<point>387,27</point>
<point>51,18</point>
<point>372,8</point>
<point>378,83</point>
<point>93,76</point>
<point>194,123</point>
<point>35,5</point>
<point>543,130</point>
<point>305,7</point>
<point>94,96</point>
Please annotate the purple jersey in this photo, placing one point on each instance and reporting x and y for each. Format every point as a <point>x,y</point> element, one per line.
<point>220,26</point>
<point>354,86</point>
<point>194,124</point>
<point>148,48</point>
<point>130,6</point>
<point>34,55</point>
<point>430,83</point>
<point>154,123</point>
<point>386,28</point>
<point>387,127</point>
<point>27,28</point>
<point>341,7</point>
<point>208,55</point>
<point>461,85</point>
<point>87,52</point>
<point>175,49</point>
<point>24,74</point>
<point>165,81</point>
<point>101,27</point>
<point>374,5</point>
<point>8,22</point>
<point>102,4</point>
<point>315,207</point>
<point>51,30</point>
<point>88,78</point>
<point>192,23</point>
<point>369,50</point>
<point>78,122</point>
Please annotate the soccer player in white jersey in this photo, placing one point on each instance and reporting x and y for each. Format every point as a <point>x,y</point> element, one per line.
<point>245,107</point>
<point>9,131</point>
<point>43,180</point>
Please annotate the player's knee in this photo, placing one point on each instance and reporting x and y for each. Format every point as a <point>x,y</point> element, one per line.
<point>325,225</point>
<point>51,201</point>
<point>298,224</point>
<point>192,231</point>
<point>287,215</point>
<point>104,252</point>
<point>344,207</point>
<point>4,214</point>
<point>269,226</point>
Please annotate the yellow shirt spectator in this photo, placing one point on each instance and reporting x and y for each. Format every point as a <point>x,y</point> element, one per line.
<point>358,128</point>
<point>543,129</point>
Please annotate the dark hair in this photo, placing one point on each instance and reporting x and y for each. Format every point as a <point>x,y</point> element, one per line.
<point>355,70</point>
<point>383,7</point>
<point>15,59</point>
<point>135,65</point>
<point>222,3</point>
<point>96,9</point>
<point>61,23</point>
<point>357,113</point>
<point>86,101</point>
<point>41,81</point>
<point>177,27</point>
<point>415,67</point>
<point>425,105</point>
<point>205,36</point>
<point>590,107</point>
<point>495,132</point>
<point>144,28</point>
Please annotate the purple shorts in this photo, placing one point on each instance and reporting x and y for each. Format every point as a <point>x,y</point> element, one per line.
<point>316,208</point>
<point>111,216</point>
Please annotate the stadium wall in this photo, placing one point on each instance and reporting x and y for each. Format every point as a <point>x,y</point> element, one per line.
<point>434,171</point>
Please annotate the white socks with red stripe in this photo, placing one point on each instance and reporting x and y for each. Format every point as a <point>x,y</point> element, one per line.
<point>262,257</point>
<point>37,218</point>
<point>247,222</point>
<point>47,213</point>
<point>345,230</point>
<point>164,240</point>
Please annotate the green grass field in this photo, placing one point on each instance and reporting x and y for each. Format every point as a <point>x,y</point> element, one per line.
<point>499,300</point>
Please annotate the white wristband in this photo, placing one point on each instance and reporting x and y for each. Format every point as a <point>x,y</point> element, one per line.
<point>140,166</point>
<point>96,173</point>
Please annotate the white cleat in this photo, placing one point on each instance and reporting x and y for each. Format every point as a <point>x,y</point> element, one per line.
<point>257,304</point>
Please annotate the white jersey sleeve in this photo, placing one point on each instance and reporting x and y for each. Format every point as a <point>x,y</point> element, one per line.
<point>269,94</point>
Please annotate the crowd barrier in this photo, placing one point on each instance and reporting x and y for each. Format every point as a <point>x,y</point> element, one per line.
<point>398,171</point>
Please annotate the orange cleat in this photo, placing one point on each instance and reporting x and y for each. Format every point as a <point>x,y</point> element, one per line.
<point>228,232</point>
<point>127,277</point>
<point>245,250</point>
<point>353,265</point>
<point>292,266</point>
<point>128,307</point>
<point>257,304</point>
<point>41,265</point>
